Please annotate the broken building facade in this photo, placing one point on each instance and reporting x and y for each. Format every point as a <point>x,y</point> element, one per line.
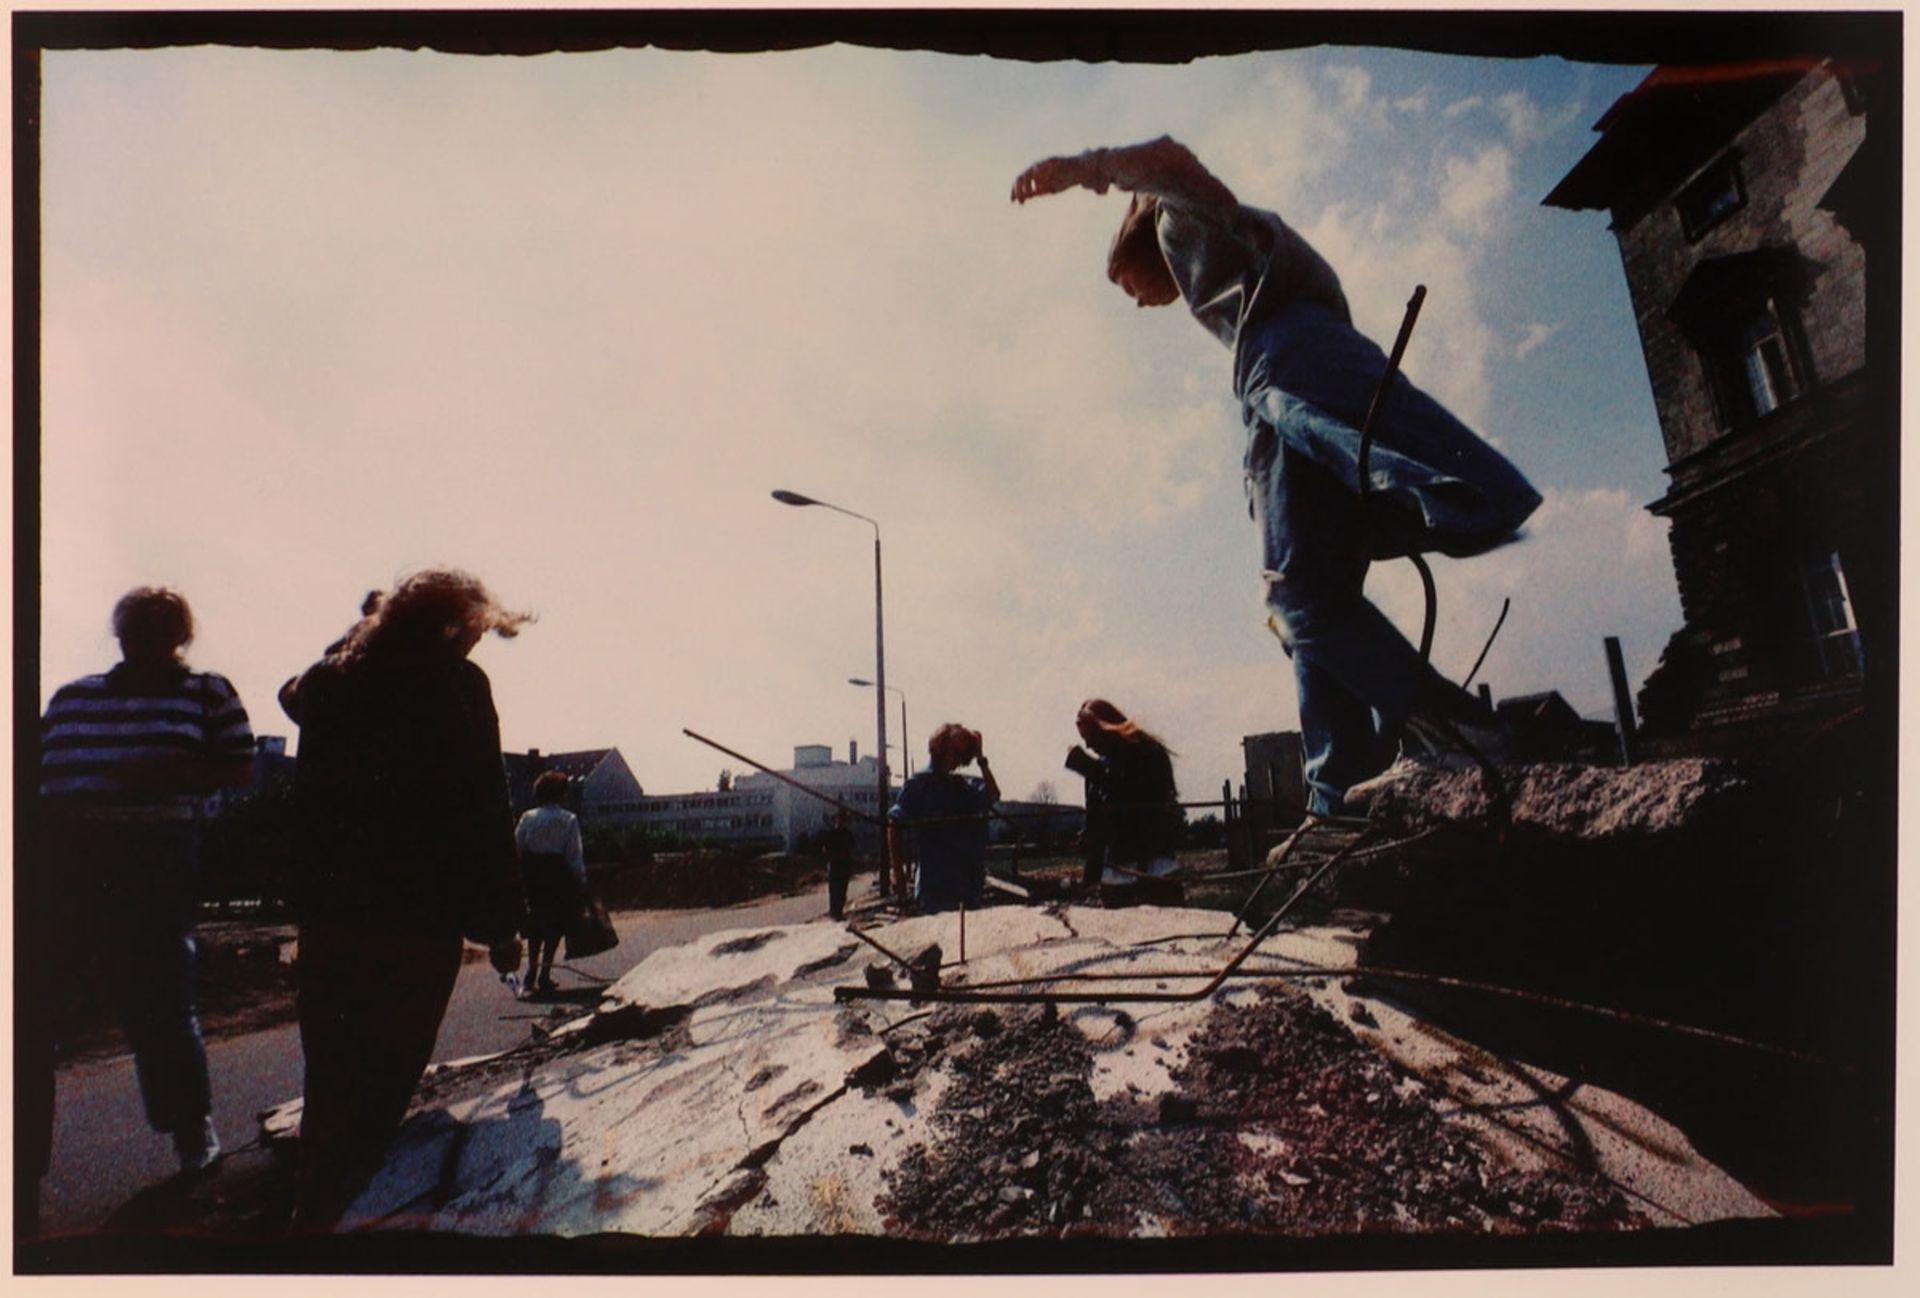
<point>1750,288</point>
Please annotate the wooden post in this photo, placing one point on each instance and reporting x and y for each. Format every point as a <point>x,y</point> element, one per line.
<point>1622,699</point>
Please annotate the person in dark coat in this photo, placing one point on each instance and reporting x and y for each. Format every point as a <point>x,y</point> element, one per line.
<point>1134,820</point>
<point>407,848</point>
<point>836,847</point>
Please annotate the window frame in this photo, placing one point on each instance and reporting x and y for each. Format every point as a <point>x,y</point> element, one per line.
<point>1695,219</point>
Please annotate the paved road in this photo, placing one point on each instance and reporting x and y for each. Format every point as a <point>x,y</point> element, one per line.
<point>103,1152</point>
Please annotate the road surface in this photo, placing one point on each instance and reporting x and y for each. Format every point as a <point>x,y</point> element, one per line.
<point>104,1153</point>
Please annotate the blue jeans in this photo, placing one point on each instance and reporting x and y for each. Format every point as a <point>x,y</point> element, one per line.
<point>1305,381</point>
<point>1358,677</point>
<point>128,892</point>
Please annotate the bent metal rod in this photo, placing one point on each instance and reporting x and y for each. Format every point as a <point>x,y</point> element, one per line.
<point>1217,978</point>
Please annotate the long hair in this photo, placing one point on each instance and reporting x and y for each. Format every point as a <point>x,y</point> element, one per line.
<point>437,610</point>
<point>1117,726</point>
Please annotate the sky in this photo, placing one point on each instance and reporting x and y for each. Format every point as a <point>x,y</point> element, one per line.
<point>315,319</point>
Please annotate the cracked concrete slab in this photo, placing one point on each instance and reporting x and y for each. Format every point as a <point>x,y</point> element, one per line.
<point>720,1088</point>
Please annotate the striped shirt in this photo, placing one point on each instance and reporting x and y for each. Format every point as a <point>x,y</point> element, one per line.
<point>109,738</point>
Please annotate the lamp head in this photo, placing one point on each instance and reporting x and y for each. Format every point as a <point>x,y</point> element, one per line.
<point>794,498</point>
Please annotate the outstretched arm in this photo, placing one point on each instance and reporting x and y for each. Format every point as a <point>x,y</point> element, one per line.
<point>1164,168</point>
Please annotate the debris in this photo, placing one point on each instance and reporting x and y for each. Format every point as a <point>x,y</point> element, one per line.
<point>1021,1147</point>
<point>1563,799</point>
<point>924,968</point>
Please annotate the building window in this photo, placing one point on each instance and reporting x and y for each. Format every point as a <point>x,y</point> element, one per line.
<point>1711,197</point>
<point>1835,634</point>
<point>1755,364</point>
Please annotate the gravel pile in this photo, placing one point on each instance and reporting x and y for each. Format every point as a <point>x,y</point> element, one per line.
<point>1280,1123</point>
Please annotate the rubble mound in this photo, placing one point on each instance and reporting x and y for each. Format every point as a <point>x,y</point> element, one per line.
<point>1280,1123</point>
<point>1562,799</point>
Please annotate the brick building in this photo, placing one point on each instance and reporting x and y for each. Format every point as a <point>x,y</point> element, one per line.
<point>1730,190</point>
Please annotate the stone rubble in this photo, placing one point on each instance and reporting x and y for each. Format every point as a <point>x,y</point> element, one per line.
<point>1562,799</point>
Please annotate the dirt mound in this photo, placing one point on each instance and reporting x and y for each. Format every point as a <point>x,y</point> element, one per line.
<point>1281,1123</point>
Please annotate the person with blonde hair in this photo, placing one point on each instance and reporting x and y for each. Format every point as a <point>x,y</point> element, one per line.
<point>1134,819</point>
<point>407,848</point>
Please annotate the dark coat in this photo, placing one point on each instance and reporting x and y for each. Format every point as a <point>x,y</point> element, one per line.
<point>402,800</point>
<point>1133,810</point>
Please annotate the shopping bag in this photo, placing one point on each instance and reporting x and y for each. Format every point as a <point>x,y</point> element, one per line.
<point>591,931</point>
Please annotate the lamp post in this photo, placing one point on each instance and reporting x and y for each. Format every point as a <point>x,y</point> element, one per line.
<point>906,748</point>
<point>879,663</point>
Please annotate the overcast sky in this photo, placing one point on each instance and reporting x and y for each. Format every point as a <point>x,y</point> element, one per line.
<point>316,319</point>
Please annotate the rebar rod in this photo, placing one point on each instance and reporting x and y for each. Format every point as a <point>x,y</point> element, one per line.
<point>1442,980</point>
<point>882,950</point>
<point>1492,635</point>
<point>966,995</point>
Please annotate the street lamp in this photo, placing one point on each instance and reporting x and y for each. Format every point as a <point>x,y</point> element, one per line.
<point>879,658</point>
<point>906,748</point>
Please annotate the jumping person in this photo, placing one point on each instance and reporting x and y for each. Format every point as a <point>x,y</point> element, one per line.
<point>1304,379</point>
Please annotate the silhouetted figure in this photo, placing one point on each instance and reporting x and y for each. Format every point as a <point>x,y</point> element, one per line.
<point>289,690</point>
<point>553,869</point>
<point>836,847</point>
<point>1304,379</point>
<point>107,905</point>
<point>407,847</point>
<point>1134,818</point>
<point>947,815</point>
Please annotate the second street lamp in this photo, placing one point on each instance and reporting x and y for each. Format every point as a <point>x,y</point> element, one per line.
<point>906,747</point>
<point>879,665</point>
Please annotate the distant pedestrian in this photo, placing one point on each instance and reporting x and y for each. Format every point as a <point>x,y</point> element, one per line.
<point>553,869</point>
<point>127,760</point>
<point>836,847</point>
<point>406,847</point>
<point>1134,818</point>
<point>290,691</point>
<point>946,814</point>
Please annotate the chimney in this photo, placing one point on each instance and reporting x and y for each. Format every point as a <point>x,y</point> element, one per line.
<point>534,753</point>
<point>853,752</point>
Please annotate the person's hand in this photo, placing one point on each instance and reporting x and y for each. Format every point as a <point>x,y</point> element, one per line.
<point>505,956</point>
<point>1052,175</point>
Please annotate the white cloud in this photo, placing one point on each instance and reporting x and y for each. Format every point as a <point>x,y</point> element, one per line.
<point>1527,123</point>
<point>1532,336</point>
<point>1354,86</point>
<point>1474,190</point>
<point>1461,107</point>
